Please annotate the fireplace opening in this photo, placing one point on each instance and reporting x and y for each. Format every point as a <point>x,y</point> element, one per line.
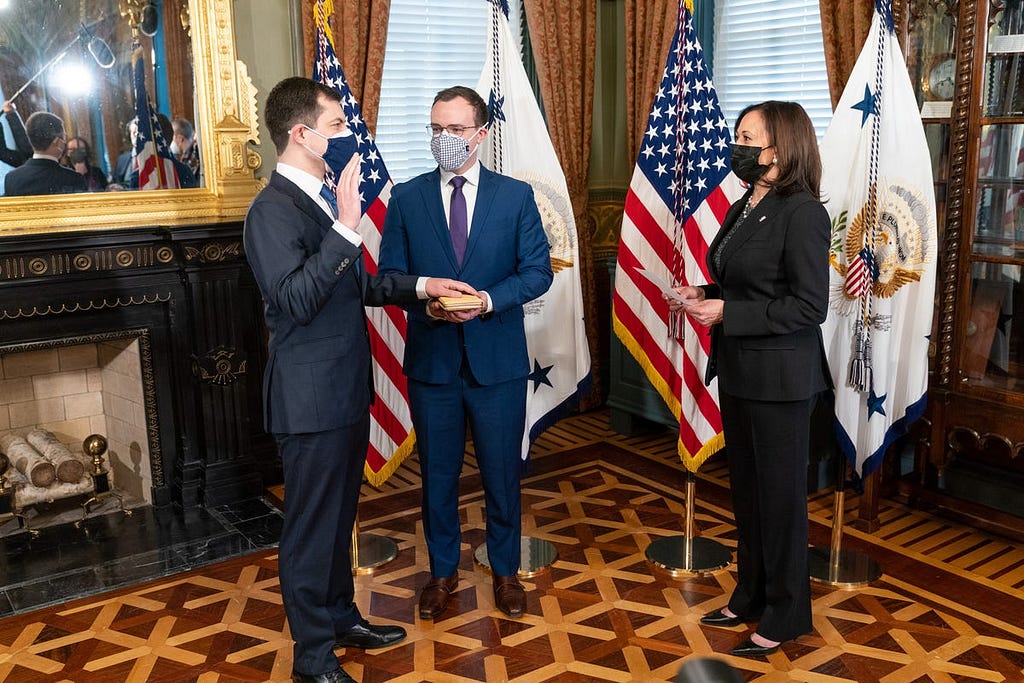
<point>73,388</point>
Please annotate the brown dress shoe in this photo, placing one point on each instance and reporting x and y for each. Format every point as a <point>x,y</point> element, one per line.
<point>435,595</point>
<point>509,595</point>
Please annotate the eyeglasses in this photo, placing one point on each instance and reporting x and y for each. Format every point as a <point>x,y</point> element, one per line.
<point>453,129</point>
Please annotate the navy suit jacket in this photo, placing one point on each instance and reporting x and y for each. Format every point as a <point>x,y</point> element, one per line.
<point>318,374</point>
<point>507,256</point>
<point>774,281</point>
<point>42,176</point>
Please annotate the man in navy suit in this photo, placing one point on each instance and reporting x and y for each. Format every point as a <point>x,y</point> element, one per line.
<point>468,367</point>
<point>301,243</point>
<point>43,174</point>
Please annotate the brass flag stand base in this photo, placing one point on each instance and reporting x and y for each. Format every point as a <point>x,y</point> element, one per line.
<point>370,551</point>
<point>683,555</point>
<point>833,565</point>
<point>535,555</point>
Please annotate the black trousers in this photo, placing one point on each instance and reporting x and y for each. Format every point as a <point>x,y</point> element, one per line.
<point>323,472</point>
<point>767,445</point>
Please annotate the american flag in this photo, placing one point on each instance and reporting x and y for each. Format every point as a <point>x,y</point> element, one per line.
<point>152,157</point>
<point>679,195</point>
<point>391,435</point>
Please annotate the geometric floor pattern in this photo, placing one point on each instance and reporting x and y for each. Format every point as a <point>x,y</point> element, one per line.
<point>601,613</point>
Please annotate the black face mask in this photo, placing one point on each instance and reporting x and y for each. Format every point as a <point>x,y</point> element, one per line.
<point>745,165</point>
<point>77,156</point>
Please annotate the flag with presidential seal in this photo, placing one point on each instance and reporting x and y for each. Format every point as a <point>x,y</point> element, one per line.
<point>877,187</point>
<point>518,145</point>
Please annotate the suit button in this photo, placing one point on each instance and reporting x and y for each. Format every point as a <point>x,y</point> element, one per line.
<point>344,263</point>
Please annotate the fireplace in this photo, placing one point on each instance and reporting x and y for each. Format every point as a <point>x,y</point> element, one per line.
<point>151,337</point>
<point>78,386</point>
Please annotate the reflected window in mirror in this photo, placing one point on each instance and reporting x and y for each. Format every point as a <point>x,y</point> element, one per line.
<point>96,65</point>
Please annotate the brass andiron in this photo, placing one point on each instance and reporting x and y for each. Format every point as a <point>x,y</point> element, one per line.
<point>95,446</point>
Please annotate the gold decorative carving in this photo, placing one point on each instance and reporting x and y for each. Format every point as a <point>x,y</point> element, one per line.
<point>62,263</point>
<point>219,366</point>
<point>35,311</point>
<point>214,252</point>
<point>225,112</point>
<point>606,207</point>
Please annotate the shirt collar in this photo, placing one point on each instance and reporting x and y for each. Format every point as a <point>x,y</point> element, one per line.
<point>40,155</point>
<point>472,176</point>
<point>306,182</point>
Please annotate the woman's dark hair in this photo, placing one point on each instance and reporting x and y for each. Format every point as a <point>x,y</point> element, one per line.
<point>792,135</point>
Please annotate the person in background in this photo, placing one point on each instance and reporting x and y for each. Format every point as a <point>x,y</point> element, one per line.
<point>300,240</point>
<point>123,166</point>
<point>768,296</point>
<point>78,157</point>
<point>21,150</point>
<point>43,174</point>
<point>185,177</point>
<point>185,146</point>
<point>468,367</point>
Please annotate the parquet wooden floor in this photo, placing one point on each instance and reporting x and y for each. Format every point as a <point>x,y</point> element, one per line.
<point>948,607</point>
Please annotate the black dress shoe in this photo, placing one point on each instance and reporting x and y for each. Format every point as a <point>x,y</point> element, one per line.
<point>720,618</point>
<point>336,676</point>
<point>749,648</point>
<point>368,637</point>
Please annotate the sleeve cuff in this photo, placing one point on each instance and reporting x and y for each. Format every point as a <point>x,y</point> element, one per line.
<point>421,288</point>
<point>351,235</point>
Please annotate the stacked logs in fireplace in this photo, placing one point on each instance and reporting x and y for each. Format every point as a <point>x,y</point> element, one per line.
<point>38,469</point>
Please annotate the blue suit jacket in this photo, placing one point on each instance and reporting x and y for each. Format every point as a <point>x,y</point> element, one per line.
<point>507,256</point>
<point>318,372</point>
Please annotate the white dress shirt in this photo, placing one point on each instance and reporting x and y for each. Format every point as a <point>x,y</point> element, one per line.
<point>311,185</point>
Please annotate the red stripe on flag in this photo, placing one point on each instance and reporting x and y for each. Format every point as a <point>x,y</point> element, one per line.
<point>650,229</point>
<point>661,364</point>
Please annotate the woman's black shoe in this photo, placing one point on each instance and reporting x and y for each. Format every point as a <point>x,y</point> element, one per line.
<point>720,618</point>
<point>749,648</point>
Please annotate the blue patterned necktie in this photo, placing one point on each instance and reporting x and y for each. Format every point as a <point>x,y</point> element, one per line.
<point>457,222</point>
<point>327,192</point>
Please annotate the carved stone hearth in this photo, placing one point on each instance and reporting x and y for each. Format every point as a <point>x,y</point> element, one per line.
<point>188,294</point>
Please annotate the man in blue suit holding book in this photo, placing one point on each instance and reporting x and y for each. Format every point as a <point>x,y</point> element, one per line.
<point>466,222</point>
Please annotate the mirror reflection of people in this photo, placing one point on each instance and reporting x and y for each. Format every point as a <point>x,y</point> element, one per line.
<point>123,166</point>
<point>43,174</point>
<point>184,146</point>
<point>185,177</point>
<point>20,149</point>
<point>768,297</point>
<point>78,158</point>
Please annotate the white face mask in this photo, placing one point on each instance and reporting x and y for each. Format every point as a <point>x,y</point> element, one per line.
<point>451,152</point>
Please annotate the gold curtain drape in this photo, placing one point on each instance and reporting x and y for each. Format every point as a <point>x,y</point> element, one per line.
<point>360,30</point>
<point>844,28</point>
<point>650,25</point>
<point>564,37</point>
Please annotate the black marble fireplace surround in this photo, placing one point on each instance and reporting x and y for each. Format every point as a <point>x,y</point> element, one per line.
<point>190,294</point>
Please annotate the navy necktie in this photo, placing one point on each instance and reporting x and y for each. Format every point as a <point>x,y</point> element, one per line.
<point>332,200</point>
<point>458,224</point>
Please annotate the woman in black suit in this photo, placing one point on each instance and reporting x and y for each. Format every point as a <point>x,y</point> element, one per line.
<point>769,267</point>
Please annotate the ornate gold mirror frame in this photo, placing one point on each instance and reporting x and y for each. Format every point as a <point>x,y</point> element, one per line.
<point>226,117</point>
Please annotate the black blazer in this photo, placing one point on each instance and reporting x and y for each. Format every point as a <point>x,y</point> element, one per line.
<point>318,374</point>
<point>22,148</point>
<point>42,176</point>
<point>774,280</point>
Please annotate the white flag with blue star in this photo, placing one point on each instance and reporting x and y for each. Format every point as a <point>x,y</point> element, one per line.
<point>877,185</point>
<point>518,145</point>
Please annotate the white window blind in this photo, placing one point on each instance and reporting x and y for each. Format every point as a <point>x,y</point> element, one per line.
<point>432,44</point>
<point>771,51</point>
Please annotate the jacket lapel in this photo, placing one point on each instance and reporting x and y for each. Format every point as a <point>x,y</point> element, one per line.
<point>485,194</point>
<point>760,216</point>
<point>430,193</point>
<point>302,201</point>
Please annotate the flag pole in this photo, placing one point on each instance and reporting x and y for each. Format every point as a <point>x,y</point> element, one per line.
<point>688,554</point>
<point>832,565</point>
<point>370,551</point>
